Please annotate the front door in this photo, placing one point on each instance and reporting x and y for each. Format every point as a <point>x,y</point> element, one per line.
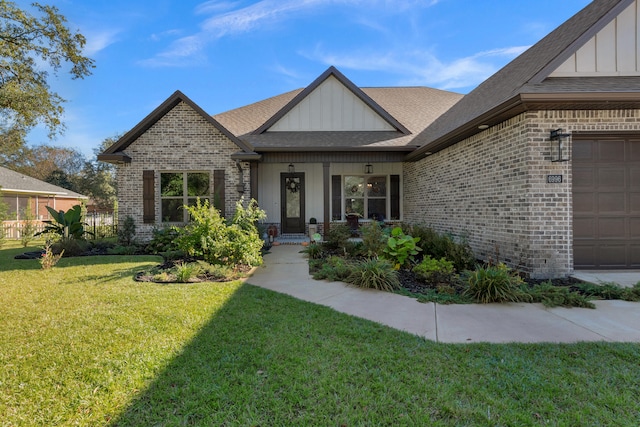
<point>292,202</point>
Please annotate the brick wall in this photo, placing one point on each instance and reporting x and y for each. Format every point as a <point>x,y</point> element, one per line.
<point>182,140</point>
<point>492,188</point>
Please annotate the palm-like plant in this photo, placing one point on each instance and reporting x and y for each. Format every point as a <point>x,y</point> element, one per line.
<point>67,225</point>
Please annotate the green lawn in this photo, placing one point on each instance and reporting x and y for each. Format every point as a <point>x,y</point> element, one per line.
<point>83,344</point>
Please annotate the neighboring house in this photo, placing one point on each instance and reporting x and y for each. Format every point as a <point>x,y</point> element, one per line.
<point>18,190</point>
<point>485,165</point>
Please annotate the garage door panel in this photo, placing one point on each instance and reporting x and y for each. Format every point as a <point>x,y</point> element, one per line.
<point>584,178</point>
<point>611,255</point>
<point>612,228</point>
<point>634,203</point>
<point>583,151</point>
<point>634,228</point>
<point>611,151</point>
<point>584,228</point>
<point>606,202</point>
<point>583,202</point>
<point>612,178</point>
<point>585,256</point>
<point>611,203</point>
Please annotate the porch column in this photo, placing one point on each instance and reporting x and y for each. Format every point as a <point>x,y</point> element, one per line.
<point>326,185</point>
<point>253,180</point>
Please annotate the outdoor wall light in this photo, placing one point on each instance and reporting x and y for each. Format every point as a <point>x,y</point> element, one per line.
<point>368,168</point>
<point>292,168</point>
<point>559,152</point>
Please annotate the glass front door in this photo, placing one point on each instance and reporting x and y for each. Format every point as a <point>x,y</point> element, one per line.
<point>292,202</point>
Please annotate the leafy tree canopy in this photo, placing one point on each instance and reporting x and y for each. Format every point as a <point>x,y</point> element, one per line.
<point>31,47</point>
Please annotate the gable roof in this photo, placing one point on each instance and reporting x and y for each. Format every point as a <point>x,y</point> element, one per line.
<point>332,71</point>
<point>413,107</point>
<point>16,182</point>
<point>115,153</point>
<point>522,83</point>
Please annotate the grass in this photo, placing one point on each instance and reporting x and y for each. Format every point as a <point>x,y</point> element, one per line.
<point>83,344</point>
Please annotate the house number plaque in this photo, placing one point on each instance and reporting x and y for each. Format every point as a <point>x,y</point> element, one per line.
<point>554,179</point>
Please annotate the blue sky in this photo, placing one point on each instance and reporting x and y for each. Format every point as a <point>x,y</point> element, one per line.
<point>224,54</point>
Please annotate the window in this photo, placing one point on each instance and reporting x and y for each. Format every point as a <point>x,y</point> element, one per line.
<point>366,196</point>
<point>178,189</point>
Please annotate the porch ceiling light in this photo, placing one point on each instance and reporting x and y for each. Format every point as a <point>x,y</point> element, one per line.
<point>559,152</point>
<point>292,168</point>
<point>368,168</point>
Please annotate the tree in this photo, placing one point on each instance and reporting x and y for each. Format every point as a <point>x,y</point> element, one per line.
<point>26,43</point>
<point>98,179</point>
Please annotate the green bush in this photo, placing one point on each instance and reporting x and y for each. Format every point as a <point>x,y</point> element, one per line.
<point>334,268</point>
<point>127,233</point>
<point>186,271</point>
<point>495,283</point>
<point>609,291</point>
<point>374,241</point>
<point>374,273</point>
<point>337,237</point>
<point>444,246</point>
<point>70,247</point>
<point>209,237</point>
<point>164,240</point>
<point>558,296</point>
<point>313,251</point>
<point>66,225</point>
<point>433,270</point>
<point>401,248</point>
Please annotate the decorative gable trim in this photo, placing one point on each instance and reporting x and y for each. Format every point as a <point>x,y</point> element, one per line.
<point>115,153</point>
<point>332,71</point>
<point>573,47</point>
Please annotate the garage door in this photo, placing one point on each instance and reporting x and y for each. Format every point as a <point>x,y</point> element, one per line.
<point>606,202</point>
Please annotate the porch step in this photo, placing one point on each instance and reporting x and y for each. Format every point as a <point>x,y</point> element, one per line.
<point>292,239</point>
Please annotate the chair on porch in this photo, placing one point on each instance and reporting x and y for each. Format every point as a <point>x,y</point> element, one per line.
<point>353,222</point>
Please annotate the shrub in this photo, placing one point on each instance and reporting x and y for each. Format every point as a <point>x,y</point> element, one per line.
<point>49,259</point>
<point>373,239</point>
<point>71,247</point>
<point>209,237</point>
<point>122,250</point>
<point>186,271</point>
<point>374,273</point>
<point>401,248</point>
<point>445,246</point>
<point>558,296</point>
<point>127,233</point>
<point>216,272</point>
<point>334,268</point>
<point>610,291</point>
<point>313,251</point>
<point>337,237</point>
<point>28,225</point>
<point>433,270</point>
<point>164,240</point>
<point>495,283</point>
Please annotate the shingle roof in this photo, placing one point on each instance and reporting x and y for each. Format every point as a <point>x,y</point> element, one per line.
<point>15,182</point>
<point>413,107</point>
<point>522,74</point>
<point>115,153</point>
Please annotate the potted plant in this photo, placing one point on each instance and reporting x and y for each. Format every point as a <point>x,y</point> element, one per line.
<point>312,220</point>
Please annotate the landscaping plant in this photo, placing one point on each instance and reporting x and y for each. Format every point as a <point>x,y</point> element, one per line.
<point>401,248</point>
<point>127,232</point>
<point>374,273</point>
<point>66,225</point>
<point>337,237</point>
<point>558,296</point>
<point>49,259</point>
<point>436,245</point>
<point>374,241</point>
<point>434,270</point>
<point>495,283</point>
<point>28,225</point>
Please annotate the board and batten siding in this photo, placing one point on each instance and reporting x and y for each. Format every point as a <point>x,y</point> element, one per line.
<point>331,107</point>
<point>613,51</point>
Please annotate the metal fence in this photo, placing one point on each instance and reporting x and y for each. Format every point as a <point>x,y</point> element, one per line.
<point>100,225</point>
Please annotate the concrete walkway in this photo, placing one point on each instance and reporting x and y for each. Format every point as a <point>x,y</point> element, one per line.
<point>286,271</point>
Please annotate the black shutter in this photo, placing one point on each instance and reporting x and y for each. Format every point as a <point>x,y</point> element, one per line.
<point>336,197</point>
<point>148,197</point>
<point>218,191</point>
<point>395,197</point>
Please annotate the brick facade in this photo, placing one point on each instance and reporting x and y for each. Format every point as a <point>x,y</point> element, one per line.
<point>182,140</point>
<point>492,189</point>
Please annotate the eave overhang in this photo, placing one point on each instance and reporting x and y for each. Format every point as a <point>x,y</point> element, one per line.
<point>530,102</point>
<point>406,149</point>
<point>118,158</point>
<point>244,156</point>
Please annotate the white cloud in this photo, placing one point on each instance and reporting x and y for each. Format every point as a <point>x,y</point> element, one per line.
<point>422,67</point>
<point>229,20</point>
<point>99,40</point>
